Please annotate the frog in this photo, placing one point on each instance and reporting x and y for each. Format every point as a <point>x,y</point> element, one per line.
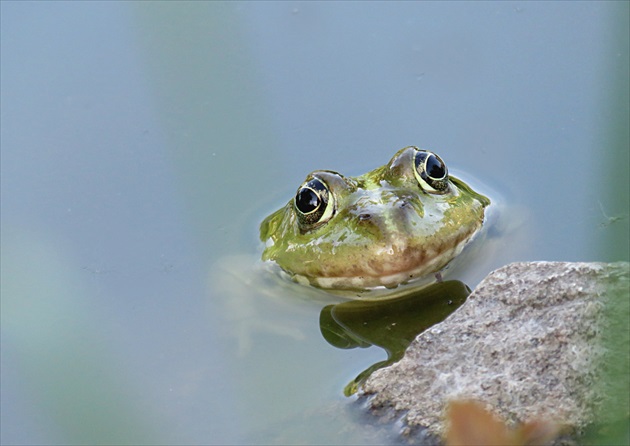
<point>398,225</point>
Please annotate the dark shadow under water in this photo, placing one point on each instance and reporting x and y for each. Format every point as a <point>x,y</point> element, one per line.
<point>390,323</point>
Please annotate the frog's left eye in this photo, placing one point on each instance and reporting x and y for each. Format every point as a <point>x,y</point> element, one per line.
<point>313,204</point>
<point>431,172</point>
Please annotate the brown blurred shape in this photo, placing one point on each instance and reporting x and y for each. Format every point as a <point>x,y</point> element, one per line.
<point>469,423</point>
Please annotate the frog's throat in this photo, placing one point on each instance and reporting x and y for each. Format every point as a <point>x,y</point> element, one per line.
<point>367,282</point>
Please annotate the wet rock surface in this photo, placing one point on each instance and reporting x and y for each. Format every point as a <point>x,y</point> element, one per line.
<point>526,344</point>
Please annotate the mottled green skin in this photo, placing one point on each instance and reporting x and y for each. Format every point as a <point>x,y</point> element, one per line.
<point>385,230</point>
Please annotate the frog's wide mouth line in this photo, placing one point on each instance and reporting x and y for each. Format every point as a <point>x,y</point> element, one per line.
<point>389,281</point>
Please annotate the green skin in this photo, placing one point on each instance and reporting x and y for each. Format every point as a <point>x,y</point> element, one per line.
<point>385,228</point>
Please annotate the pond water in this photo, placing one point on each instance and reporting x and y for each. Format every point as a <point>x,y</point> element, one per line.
<point>143,143</point>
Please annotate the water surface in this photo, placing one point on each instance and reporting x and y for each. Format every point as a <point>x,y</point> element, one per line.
<point>142,144</point>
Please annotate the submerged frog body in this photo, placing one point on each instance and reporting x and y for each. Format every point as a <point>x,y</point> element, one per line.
<point>391,226</point>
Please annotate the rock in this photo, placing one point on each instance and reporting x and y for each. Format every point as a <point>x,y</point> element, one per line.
<point>526,344</point>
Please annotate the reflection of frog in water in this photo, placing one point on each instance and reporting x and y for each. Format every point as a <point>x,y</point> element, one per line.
<point>390,324</point>
<point>362,236</point>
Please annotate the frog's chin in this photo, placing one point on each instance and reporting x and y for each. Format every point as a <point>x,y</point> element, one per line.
<point>416,276</point>
<point>391,284</point>
<point>378,291</point>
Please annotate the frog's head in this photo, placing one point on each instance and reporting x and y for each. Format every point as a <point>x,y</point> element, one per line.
<point>390,226</point>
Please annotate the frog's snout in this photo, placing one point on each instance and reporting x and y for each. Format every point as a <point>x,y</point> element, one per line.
<point>384,219</point>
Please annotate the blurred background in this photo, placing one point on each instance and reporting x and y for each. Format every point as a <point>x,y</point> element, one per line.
<point>143,142</point>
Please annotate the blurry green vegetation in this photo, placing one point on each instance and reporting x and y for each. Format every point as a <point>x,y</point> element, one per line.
<point>211,108</point>
<point>616,154</point>
<point>615,412</point>
<point>613,421</point>
<point>64,363</point>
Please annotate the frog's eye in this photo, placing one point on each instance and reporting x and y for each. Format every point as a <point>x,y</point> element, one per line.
<point>313,204</point>
<point>431,172</point>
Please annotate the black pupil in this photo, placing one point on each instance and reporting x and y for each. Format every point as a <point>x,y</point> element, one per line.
<point>434,167</point>
<point>307,200</point>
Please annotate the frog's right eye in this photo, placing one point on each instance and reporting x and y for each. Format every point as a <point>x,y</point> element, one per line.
<point>431,172</point>
<point>314,204</point>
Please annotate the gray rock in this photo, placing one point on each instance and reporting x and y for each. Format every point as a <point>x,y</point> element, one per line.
<point>527,344</point>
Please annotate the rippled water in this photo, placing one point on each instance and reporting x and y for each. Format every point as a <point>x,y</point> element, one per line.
<point>142,144</point>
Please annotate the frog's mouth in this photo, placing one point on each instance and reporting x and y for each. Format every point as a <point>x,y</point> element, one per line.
<point>414,267</point>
